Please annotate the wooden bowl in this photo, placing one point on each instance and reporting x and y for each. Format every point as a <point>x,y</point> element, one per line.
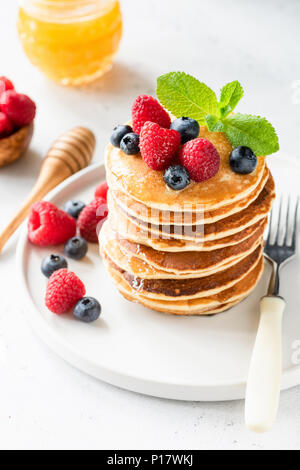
<point>13,146</point>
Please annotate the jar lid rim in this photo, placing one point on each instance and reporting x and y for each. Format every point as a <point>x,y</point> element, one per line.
<point>65,10</point>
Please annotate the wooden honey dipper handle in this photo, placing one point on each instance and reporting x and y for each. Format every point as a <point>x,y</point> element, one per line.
<point>69,154</point>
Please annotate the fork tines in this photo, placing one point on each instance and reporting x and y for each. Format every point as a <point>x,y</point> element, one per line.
<point>282,230</point>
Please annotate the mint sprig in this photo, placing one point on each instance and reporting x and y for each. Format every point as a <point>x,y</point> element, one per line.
<point>184,95</point>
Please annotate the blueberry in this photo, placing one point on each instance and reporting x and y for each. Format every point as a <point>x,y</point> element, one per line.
<point>130,143</point>
<point>188,128</point>
<point>73,208</point>
<point>87,309</point>
<point>176,177</point>
<point>242,160</point>
<point>76,248</point>
<point>53,263</point>
<point>118,134</point>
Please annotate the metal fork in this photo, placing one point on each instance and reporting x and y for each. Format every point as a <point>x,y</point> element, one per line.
<point>263,385</point>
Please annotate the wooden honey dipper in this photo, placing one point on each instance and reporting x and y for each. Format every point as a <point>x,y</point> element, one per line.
<point>69,154</point>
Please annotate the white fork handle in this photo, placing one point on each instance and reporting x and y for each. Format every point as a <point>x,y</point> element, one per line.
<point>263,386</point>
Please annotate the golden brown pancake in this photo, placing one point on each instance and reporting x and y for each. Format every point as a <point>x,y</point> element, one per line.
<point>205,311</point>
<point>256,211</point>
<point>188,261</point>
<point>145,262</point>
<point>157,217</point>
<point>187,311</point>
<point>193,306</point>
<point>141,268</point>
<point>131,175</point>
<point>182,289</point>
<point>127,230</point>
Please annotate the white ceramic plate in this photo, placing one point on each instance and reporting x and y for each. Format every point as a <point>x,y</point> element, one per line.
<point>186,358</point>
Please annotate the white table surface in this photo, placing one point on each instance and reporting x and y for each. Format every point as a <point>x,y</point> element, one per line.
<point>45,403</point>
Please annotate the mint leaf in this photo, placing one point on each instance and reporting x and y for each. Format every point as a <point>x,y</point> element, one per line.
<point>253,131</point>
<point>230,96</point>
<point>184,95</point>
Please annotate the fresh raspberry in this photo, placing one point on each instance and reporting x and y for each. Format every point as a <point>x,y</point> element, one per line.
<point>201,158</point>
<point>48,225</point>
<point>64,289</point>
<point>158,145</point>
<point>146,108</point>
<point>5,84</point>
<point>6,126</point>
<point>101,190</point>
<point>92,218</point>
<point>19,108</point>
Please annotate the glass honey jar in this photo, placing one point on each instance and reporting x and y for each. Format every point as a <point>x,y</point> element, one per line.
<point>70,41</point>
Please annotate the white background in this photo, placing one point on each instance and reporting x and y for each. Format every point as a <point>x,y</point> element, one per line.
<point>45,403</point>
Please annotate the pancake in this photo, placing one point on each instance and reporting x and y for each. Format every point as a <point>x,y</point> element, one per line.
<point>228,226</point>
<point>131,175</point>
<point>205,311</point>
<point>127,230</point>
<point>170,289</point>
<point>157,217</point>
<point>257,210</point>
<point>192,306</point>
<point>141,268</point>
<point>145,262</point>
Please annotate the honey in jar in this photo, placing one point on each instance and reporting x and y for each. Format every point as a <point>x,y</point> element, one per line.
<point>70,41</point>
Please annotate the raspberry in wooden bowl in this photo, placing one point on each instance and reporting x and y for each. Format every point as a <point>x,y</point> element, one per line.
<point>17,113</point>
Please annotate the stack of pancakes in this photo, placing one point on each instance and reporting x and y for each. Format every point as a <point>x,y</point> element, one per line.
<point>194,251</point>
